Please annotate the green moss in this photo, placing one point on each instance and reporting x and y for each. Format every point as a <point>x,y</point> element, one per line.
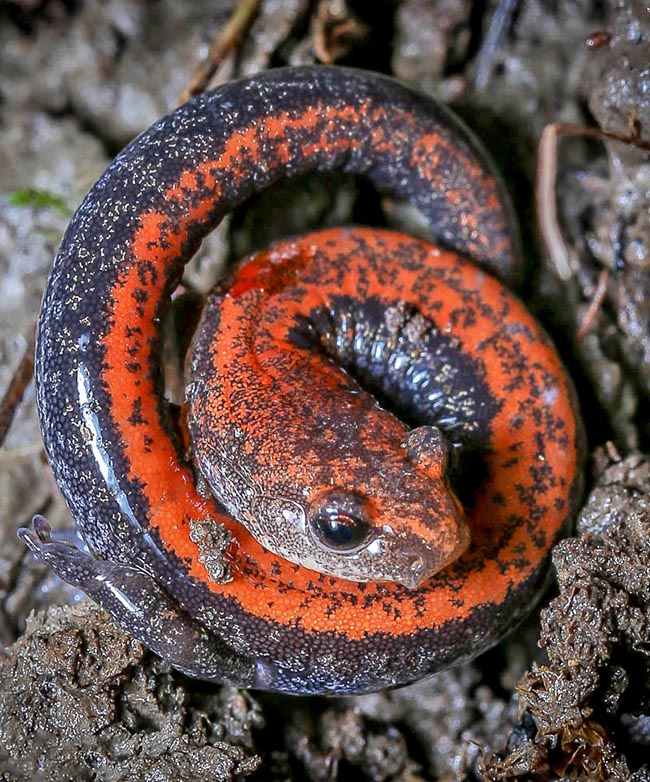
<point>39,199</point>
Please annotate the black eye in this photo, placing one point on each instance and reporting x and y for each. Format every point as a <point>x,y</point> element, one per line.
<point>340,520</point>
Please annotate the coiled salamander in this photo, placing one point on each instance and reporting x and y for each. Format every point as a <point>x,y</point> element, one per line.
<point>348,548</point>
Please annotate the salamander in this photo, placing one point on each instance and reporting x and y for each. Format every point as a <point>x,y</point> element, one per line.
<point>391,443</point>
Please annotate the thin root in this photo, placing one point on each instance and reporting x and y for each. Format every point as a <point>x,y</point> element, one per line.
<point>545,198</point>
<point>594,306</point>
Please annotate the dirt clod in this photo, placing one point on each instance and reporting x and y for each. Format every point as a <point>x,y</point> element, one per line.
<point>88,703</point>
<point>590,702</point>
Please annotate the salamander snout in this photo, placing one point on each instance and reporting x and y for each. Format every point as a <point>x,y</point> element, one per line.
<point>442,537</point>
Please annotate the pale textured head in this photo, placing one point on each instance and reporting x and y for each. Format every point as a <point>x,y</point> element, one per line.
<point>364,519</point>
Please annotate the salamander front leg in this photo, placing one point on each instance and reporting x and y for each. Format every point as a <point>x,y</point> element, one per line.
<point>143,609</point>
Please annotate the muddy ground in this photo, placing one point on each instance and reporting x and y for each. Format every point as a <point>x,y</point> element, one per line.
<point>565,696</point>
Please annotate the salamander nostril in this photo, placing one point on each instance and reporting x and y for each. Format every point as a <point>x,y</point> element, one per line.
<point>415,571</point>
<point>417,565</point>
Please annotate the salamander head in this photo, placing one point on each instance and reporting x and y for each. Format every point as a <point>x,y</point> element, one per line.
<point>400,522</point>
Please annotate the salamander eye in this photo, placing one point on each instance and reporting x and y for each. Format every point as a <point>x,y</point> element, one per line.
<point>340,521</point>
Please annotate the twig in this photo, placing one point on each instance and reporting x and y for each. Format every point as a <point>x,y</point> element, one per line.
<point>14,393</point>
<point>335,30</point>
<point>227,38</point>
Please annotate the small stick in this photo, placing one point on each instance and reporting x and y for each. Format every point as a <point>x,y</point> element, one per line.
<point>227,38</point>
<point>14,393</point>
